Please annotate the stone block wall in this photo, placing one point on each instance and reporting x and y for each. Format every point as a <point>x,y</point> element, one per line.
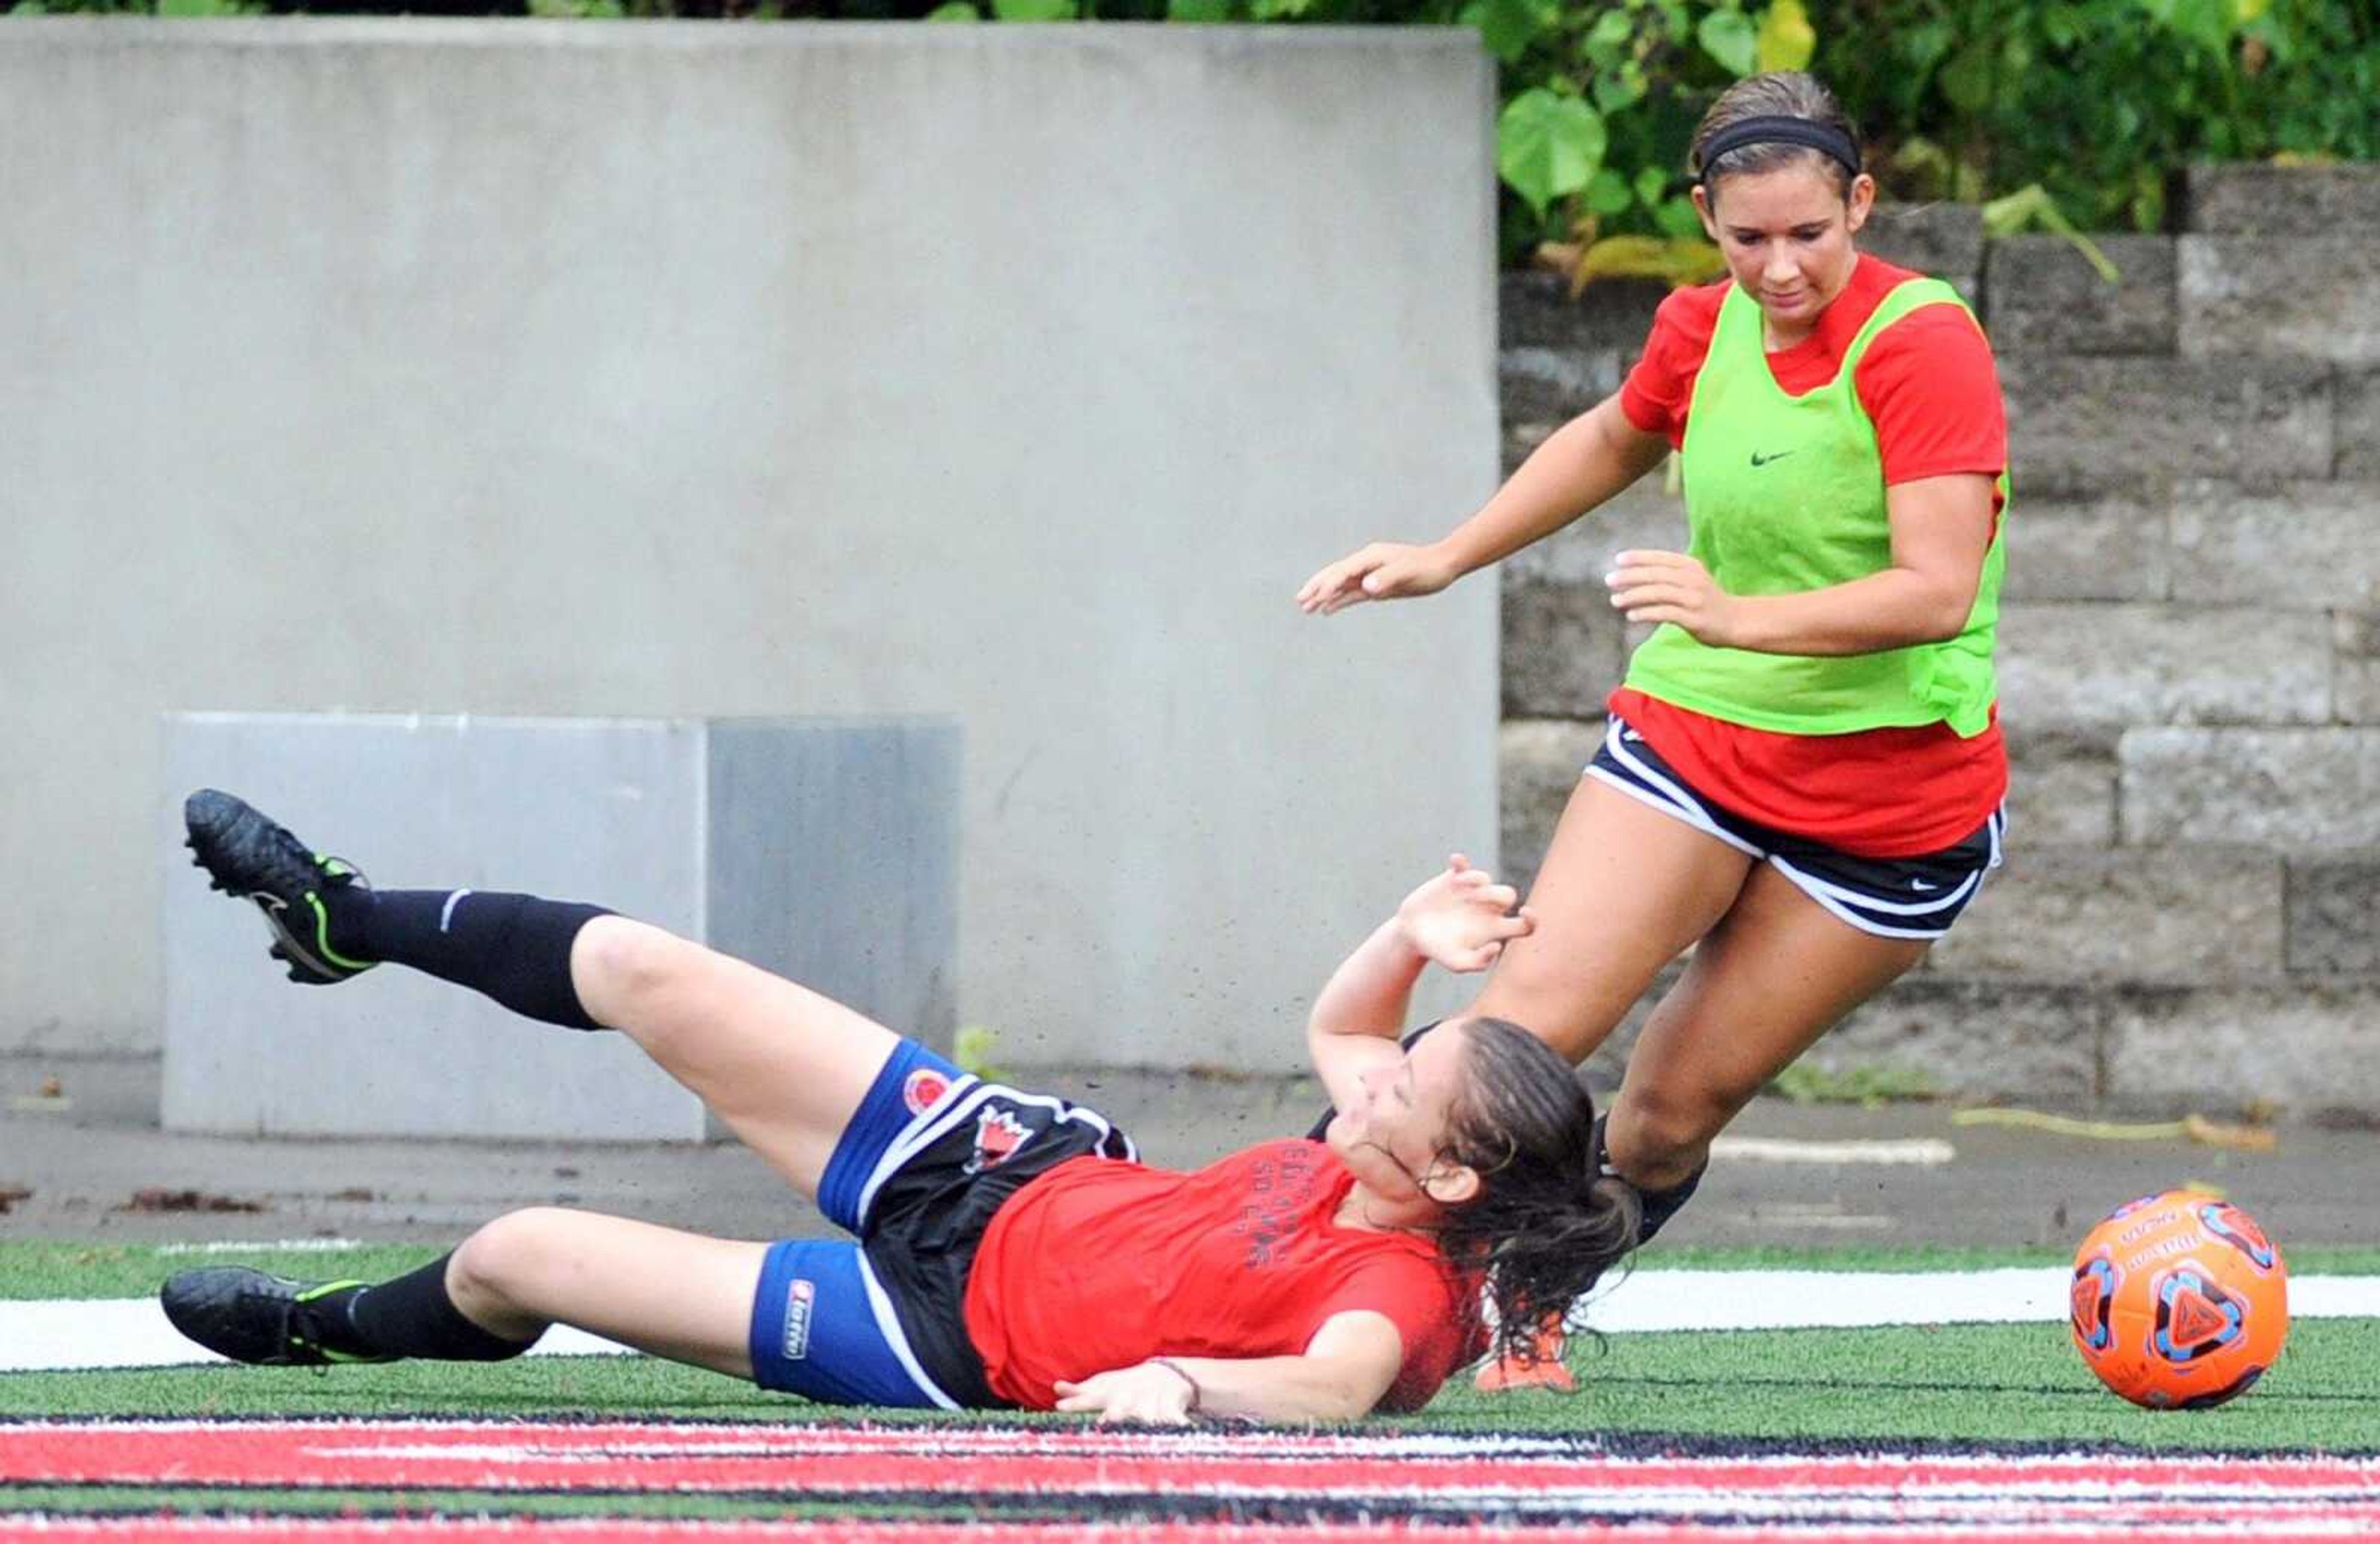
<point>2189,664</point>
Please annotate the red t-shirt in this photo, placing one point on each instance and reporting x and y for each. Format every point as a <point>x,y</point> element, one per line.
<point>1927,383</point>
<point>1101,1264</point>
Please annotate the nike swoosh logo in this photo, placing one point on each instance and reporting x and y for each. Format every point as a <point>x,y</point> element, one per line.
<point>1760,460</point>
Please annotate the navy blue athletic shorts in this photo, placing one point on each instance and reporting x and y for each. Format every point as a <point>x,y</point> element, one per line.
<point>931,1155</point>
<point>1891,897</point>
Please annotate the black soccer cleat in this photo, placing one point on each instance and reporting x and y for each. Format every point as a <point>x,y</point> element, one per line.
<point>251,1316</point>
<point>245,853</point>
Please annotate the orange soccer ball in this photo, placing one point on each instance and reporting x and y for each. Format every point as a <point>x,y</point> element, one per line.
<point>2179,1301</point>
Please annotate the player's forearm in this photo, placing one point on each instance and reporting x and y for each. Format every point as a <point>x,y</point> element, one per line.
<point>1581,465</point>
<point>1890,610</point>
<point>1280,1388</point>
<point>1370,991</point>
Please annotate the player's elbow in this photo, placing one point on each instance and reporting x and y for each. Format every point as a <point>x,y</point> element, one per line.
<point>1944,606</point>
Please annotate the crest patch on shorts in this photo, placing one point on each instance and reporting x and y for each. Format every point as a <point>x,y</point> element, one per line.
<point>801,1297</point>
<point>924,1088</point>
<point>998,1135</point>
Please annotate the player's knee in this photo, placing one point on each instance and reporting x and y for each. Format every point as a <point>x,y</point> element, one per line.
<point>1659,1137</point>
<point>500,1264</point>
<point>617,963</point>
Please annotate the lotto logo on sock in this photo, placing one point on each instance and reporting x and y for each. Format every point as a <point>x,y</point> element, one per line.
<point>800,1299</point>
<point>924,1088</point>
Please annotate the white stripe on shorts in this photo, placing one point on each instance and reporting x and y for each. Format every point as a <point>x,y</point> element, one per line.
<point>1817,888</point>
<point>951,1111</point>
<point>1677,802</point>
<point>888,1324</point>
<point>923,1127</point>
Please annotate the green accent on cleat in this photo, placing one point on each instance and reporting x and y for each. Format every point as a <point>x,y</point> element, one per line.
<point>246,853</point>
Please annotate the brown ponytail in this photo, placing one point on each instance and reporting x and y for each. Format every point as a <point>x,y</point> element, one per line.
<point>1547,1223</point>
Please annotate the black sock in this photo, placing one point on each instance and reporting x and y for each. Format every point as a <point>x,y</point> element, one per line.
<point>1658,1206</point>
<point>411,1316</point>
<point>513,948</point>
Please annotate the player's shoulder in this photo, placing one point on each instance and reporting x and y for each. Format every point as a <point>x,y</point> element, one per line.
<point>1934,325</point>
<point>1691,312</point>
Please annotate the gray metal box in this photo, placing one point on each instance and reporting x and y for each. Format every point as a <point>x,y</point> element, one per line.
<point>820,848</point>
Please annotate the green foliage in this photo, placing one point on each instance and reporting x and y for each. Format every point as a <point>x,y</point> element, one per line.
<point>2097,102</point>
<point>1548,145</point>
<point>2031,206</point>
<point>1868,1087</point>
<point>976,1047</point>
<point>2070,115</point>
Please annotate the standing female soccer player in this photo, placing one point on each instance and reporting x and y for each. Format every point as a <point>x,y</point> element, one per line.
<point>1010,1249</point>
<point>1804,771</point>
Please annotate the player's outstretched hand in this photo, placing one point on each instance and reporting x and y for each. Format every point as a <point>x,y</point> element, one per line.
<point>1461,918</point>
<point>1382,571</point>
<point>1150,1394</point>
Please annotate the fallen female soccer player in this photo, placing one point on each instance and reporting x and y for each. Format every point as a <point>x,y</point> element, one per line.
<point>1012,1250</point>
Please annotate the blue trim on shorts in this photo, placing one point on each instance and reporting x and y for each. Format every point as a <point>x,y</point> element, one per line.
<point>881,1119</point>
<point>817,1329</point>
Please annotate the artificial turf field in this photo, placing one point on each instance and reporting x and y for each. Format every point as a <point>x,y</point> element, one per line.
<point>1917,1432</point>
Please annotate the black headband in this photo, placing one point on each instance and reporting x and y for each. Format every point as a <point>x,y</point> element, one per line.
<point>1821,137</point>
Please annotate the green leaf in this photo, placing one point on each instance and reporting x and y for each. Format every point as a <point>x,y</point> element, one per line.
<point>954,10</point>
<point>1923,44</point>
<point>1787,39</point>
<point>1198,10</point>
<point>1618,91</point>
<point>1967,79</point>
<point>2032,205</point>
<point>2206,23</point>
<point>1606,192</point>
<point>2147,205</point>
<point>1675,261</point>
<point>1034,11</point>
<point>1728,36</point>
<point>1548,146</point>
<point>974,1048</point>
<point>1612,29</point>
<point>1651,183</point>
<point>1678,216</point>
<point>1508,27</point>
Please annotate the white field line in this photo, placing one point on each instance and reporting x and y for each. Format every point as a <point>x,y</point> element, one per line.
<point>1925,1151</point>
<point>133,1333</point>
<point>277,1246</point>
<point>1651,1300</point>
<point>121,1332</point>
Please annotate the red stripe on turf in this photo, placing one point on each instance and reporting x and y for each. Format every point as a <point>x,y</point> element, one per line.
<point>485,1531</point>
<point>647,1456</point>
<point>1410,1476</point>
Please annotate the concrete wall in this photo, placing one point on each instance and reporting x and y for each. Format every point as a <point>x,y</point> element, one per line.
<point>2189,645</point>
<point>661,370</point>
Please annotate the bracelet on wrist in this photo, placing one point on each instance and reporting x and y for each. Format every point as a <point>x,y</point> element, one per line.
<point>1169,1364</point>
